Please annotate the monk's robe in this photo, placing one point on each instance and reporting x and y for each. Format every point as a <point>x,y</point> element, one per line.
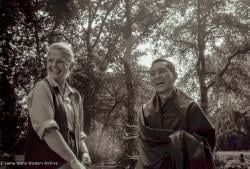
<point>175,134</point>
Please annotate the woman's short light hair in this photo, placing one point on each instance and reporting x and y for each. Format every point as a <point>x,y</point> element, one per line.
<point>63,47</point>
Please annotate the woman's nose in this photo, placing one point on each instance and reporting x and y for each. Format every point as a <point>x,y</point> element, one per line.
<point>53,63</point>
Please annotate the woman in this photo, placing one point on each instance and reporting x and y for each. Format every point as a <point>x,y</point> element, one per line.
<point>55,133</point>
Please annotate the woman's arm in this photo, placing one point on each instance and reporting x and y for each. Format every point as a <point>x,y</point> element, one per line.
<point>56,142</point>
<point>85,153</point>
<point>83,147</point>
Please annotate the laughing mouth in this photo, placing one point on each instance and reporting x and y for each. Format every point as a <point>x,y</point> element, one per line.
<point>159,83</point>
<point>54,71</point>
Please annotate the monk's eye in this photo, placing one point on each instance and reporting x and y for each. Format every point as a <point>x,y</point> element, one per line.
<point>152,73</point>
<point>161,71</point>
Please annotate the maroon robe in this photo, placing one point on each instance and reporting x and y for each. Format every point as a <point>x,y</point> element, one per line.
<point>175,134</point>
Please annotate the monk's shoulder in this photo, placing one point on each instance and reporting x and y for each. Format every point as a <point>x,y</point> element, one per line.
<point>183,97</point>
<point>184,100</point>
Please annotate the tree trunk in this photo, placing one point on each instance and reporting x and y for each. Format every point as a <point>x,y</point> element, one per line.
<point>201,65</point>
<point>130,102</point>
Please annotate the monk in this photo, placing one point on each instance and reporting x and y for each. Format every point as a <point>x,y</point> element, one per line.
<point>174,132</point>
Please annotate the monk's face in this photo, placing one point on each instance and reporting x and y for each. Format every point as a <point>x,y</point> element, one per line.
<point>162,79</point>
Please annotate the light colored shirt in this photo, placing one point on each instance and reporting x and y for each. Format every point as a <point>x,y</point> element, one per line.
<point>42,110</point>
<point>68,106</point>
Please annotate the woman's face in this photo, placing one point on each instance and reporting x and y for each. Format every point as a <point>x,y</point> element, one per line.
<point>162,79</point>
<point>58,66</point>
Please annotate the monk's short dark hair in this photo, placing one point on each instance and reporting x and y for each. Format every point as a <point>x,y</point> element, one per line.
<point>169,65</point>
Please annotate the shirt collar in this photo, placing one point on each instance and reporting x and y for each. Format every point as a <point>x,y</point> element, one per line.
<point>53,83</point>
<point>69,89</point>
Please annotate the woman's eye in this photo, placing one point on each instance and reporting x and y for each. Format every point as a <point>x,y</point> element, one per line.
<point>60,61</point>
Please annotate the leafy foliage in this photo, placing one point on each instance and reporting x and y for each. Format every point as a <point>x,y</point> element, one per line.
<point>207,40</point>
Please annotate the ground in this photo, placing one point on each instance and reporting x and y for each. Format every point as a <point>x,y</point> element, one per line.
<point>232,160</point>
<point>223,160</point>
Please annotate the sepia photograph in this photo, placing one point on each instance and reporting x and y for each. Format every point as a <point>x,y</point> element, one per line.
<point>124,84</point>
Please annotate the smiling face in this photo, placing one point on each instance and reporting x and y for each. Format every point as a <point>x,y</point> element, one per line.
<point>58,66</point>
<point>162,79</point>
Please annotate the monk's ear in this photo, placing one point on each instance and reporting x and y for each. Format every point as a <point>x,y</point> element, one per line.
<point>175,76</point>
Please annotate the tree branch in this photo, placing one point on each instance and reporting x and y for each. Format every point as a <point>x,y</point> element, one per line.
<point>103,22</point>
<point>242,50</point>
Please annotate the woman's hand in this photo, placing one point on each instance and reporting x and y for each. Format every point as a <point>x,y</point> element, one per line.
<point>86,159</point>
<point>75,164</point>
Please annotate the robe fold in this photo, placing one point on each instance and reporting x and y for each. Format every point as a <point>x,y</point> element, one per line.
<point>175,134</point>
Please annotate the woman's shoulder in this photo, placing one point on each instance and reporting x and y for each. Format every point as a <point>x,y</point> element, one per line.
<point>40,86</point>
<point>76,93</point>
<point>40,89</point>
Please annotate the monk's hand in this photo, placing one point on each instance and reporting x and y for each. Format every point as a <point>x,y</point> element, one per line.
<point>76,164</point>
<point>86,159</point>
<point>176,138</point>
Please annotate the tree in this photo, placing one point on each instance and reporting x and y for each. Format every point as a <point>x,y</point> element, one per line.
<point>11,119</point>
<point>194,39</point>
<point>210,41</point>
<point>24,37</point>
